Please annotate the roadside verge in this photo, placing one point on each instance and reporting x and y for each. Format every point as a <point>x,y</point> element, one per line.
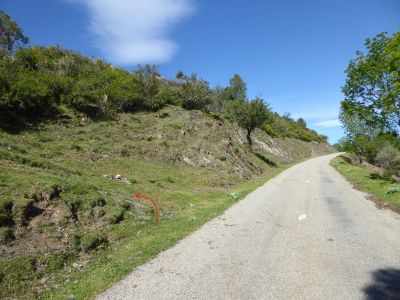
<point>113,265</point>
<point>384,192</point>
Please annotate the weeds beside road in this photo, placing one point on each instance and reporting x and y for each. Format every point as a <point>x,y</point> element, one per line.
<point>383,191</point>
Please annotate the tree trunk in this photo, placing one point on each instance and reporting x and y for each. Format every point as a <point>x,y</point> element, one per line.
<point>249,137</point>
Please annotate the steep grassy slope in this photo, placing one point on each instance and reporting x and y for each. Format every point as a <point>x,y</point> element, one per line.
<point>68,223</point>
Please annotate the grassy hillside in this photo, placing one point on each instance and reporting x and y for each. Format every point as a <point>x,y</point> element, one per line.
<point>68,224</point>
<point>80,137</point>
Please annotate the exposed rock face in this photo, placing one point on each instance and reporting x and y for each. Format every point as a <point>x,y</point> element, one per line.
<point>199,140</point>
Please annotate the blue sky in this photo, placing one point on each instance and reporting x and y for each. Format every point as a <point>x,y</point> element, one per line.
<point>293,53</point>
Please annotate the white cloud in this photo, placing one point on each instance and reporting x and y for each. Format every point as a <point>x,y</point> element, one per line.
<point>135,31</point>
<point>330,123</point>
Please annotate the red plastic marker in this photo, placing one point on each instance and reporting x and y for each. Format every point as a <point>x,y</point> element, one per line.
<point>152,202</point>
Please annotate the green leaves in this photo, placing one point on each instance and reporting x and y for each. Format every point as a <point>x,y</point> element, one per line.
<point>237,89</point>
<point>194,93</point>
<point>370,112</point>
<point>11,35</point>
<point>250,115</point>
<point>372,88</point>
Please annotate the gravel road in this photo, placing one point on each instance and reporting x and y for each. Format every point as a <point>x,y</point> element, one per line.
<point>306,234</point>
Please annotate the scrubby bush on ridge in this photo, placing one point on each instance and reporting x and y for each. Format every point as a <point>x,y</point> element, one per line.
<point>36,82</point>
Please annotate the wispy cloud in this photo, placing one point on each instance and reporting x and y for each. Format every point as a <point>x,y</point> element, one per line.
<point>330,123</point>
<point>135,31</point>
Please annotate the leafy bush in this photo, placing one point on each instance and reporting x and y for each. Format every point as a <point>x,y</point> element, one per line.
<point>194,93</point>
<point>25,93</point>
<point>250,115</point>
<point>388,158</point>
<point>38,79</point>
<point>284,126</point>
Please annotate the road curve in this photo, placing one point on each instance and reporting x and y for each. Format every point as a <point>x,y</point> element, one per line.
<point>306,234</point>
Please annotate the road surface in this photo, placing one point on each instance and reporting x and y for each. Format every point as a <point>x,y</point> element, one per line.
<point>306,234</point>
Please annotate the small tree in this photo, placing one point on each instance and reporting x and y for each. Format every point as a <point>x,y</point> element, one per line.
<point>250,115</point>
<point>364,139</point>
<point>237,89</point>
<point>372,85</point>
<point>302,122</point>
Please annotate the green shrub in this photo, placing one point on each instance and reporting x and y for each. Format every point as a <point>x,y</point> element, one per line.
<point>287,127</point>
<point>28,94</point>
<point>194,93</point>
<point>388,158</point>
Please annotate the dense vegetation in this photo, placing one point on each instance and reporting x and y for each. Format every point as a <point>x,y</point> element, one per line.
<point>39,83</point>
<point>370,111</point>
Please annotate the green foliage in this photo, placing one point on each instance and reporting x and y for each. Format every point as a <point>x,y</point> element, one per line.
<point>237,89</point>
<point>167,94</point>
<point>11,35</point>
<point>342,145</point>
<point>25,92</point>
<point>388,158</point>
<point>370,112</point>
<point>362,137</point>
<point>194,93</point>
<point>149,80</point>
<point>234,196</point>
<point>39,83</point>
<point>38,79</point>
<point>250,115</point>
<point>372,87</point>
<point>301,122</point>
<point>285,126</point>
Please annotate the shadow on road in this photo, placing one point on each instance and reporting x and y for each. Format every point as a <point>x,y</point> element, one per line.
<point>385,285</point>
